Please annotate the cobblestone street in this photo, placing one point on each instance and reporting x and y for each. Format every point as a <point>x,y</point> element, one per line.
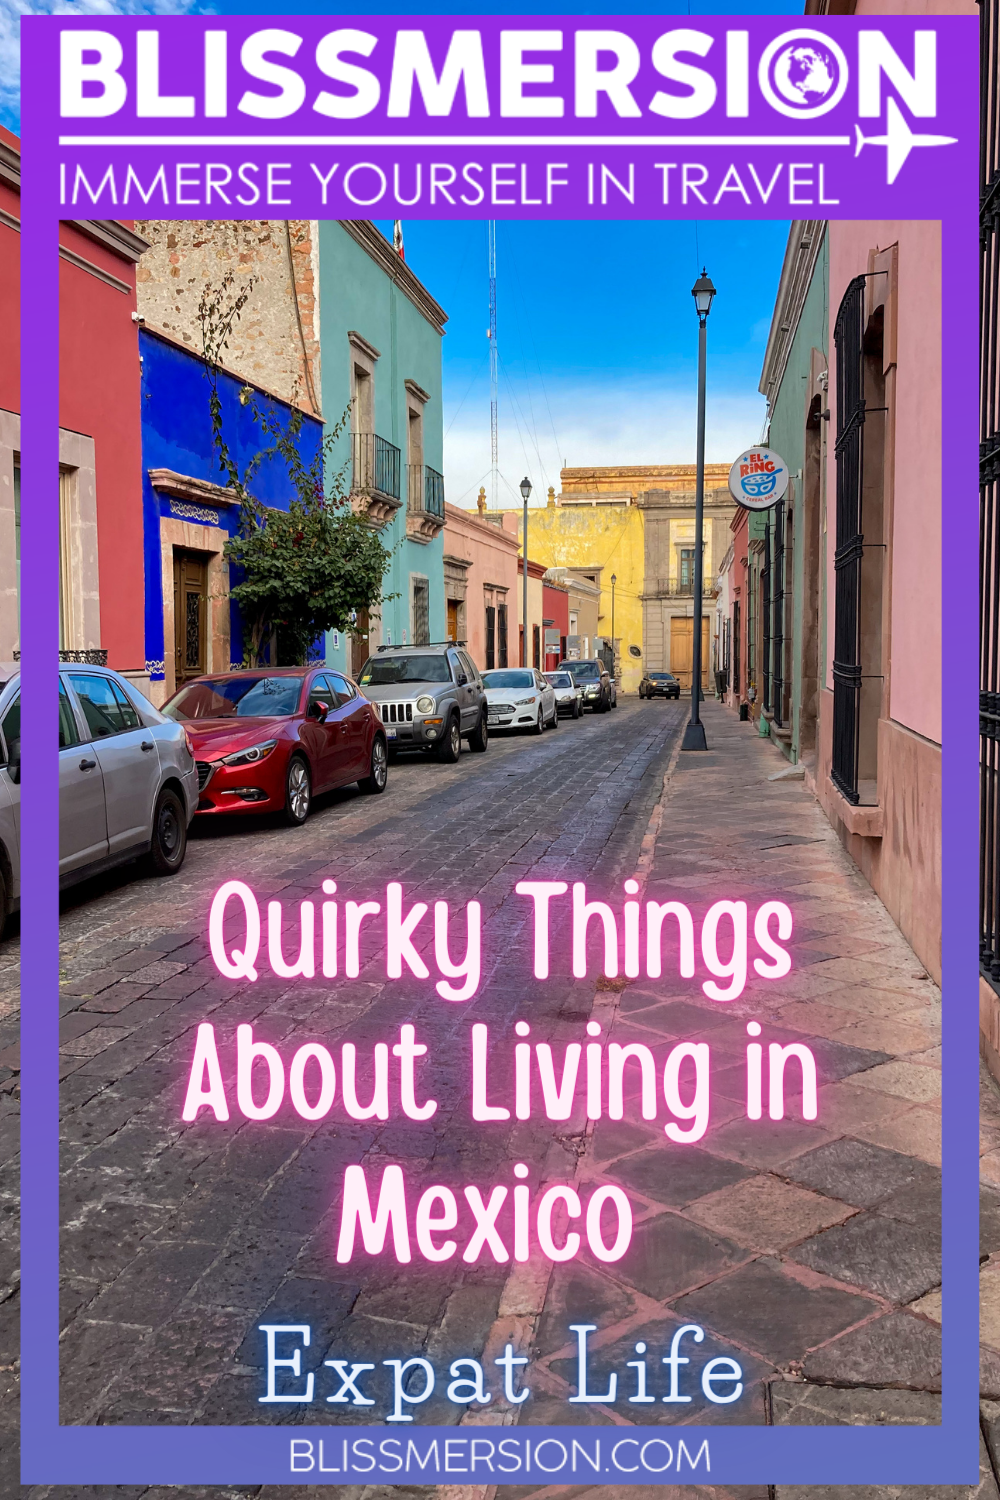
<point>809,1251</point>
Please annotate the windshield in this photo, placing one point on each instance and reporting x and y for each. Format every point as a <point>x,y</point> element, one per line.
<point>661,677</point>
<point>508,679</point>
<point>559,679</point>
<point>237,698</point>
<point>384,671</point>
<point>583,671</point>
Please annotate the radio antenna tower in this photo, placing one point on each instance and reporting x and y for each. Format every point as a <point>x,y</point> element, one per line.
<point>491,232</point>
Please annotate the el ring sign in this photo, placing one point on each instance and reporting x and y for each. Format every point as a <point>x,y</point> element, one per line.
<point>758,479</point>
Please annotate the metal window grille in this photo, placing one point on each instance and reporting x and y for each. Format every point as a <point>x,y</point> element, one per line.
<point>736,647</point>
<point>751,633</point>
<point>375,465</point>
<point>421,612</point>
<point>849,450</point>
<point>989,493</point>
<point>536,646</point>
<point>778,615</point>
<point>491,636</point>
<point>765,616</point>
<point>502,634</point>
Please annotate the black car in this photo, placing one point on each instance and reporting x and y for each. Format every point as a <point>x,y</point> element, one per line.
<point>593,677</point>
<point>659,685</point>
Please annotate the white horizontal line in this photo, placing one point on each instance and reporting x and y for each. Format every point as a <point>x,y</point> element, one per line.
<point>455,140</point>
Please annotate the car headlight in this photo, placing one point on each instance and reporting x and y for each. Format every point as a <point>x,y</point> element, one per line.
<point>251,756</point>
<point>425,705</point>
<point>523,702</point>
<point>592,690</point>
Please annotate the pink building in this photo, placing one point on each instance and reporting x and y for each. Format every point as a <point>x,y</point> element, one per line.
<point>481,587</point>
<point>878,764</point>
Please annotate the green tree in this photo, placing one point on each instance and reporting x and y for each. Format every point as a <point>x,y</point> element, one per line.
<point>302,571</point>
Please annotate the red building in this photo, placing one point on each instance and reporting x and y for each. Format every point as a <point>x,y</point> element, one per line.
<point>555,610</point>
<point>100,452</point>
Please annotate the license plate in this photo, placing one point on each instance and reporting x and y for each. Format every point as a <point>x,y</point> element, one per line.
<point>390,732</point>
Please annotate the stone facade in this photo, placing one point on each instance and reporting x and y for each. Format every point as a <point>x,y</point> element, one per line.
<point>275,344</point>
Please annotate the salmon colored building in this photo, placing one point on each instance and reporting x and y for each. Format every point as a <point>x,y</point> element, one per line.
<point>101,584</point>
<point>481,587</point>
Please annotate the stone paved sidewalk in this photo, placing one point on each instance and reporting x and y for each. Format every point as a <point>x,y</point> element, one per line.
<point>811,1251</point>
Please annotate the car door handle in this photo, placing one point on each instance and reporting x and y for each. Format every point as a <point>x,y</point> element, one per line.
<point>87,765</point>
<point>147,745</point>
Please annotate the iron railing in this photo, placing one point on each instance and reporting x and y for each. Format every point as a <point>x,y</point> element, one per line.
<point>989,493</point>
<point>849,450</point>
<point>425,490</point>
<point>375,465</point>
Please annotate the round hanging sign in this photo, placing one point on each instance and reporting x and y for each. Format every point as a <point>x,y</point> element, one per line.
<point>758,479</point>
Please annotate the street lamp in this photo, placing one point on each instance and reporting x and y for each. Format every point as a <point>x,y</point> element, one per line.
<point>614,580</point>
<point>694,735</point>
<point>525,493</point>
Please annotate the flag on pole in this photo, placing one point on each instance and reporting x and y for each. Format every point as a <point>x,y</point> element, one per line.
<point>397,238</point>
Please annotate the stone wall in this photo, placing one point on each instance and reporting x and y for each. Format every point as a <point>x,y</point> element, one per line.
<point>271,345</point>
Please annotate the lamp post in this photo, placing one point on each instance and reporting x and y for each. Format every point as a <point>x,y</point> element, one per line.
<point>614,580</point>
<point>694,735</point>
<point>525,493</point>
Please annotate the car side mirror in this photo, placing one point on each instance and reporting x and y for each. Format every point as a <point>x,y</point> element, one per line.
<point>318,711</point>
<point>461,679</point>
<point>14,764</point>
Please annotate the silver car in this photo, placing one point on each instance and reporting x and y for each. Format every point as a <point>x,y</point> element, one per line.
<point>128,786</point>
<point>429,697</point>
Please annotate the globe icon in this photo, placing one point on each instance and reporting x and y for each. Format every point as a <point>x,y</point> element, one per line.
<point>805,73</point>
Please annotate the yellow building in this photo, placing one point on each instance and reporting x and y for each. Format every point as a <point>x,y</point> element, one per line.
<point>636,522</point>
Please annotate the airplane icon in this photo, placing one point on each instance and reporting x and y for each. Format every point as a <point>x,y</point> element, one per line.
<point>899,140</point>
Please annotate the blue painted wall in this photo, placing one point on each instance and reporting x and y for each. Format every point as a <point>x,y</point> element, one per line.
<point>357,295</point>
<point>177,434</point>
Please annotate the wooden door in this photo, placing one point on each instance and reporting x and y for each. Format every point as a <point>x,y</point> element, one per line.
<point>453,619</point>
<point>359,642</point>
<point>190,615</point>
<point>682,650</point>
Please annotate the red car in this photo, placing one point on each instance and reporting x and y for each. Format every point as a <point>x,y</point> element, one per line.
<point>269,739</point>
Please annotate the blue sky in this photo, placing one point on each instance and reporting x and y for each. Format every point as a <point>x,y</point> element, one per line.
<point>596,329</point>
<point>598,342</point>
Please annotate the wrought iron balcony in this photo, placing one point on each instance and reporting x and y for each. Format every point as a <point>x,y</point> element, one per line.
<point>425,490</point>
<point>375,474</point>
<point>424,502</point>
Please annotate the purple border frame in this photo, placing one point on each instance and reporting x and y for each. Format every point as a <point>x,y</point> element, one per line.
<point>55,1454</point>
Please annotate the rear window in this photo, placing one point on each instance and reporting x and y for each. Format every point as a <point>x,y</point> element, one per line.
<point>259,696</point>
<point>386,671</point>
<point>559,679</point>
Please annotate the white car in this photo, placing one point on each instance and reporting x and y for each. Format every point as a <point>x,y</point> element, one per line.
<point>128,786</point>
<point>519,698</point>
<point>569,697</point>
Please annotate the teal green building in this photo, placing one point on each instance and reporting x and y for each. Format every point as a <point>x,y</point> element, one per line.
<point>786,541</point>
<point>380,342</point>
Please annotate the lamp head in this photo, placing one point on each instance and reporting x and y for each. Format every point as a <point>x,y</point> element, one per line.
<point>525,489</point>
<point>703,291</point>
<point>614,580</point>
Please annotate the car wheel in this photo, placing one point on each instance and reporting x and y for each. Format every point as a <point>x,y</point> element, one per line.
<point>539,722</point>
<point>577,709</point>
<point>555,716</point>
<point>168,844</point>
<point>3,904</point>
<point>450,747</point>
<point>378,774</point>
<point>479,739</point>
<point>298,792</point>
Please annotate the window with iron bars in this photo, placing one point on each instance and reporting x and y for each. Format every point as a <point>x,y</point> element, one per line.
<point>849,450</point>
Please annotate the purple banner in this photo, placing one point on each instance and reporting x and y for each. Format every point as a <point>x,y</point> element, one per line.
<point>519,116</point>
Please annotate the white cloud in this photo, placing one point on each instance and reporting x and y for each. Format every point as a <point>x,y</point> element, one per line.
<point>11,12</point>
<point>624,423</point>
